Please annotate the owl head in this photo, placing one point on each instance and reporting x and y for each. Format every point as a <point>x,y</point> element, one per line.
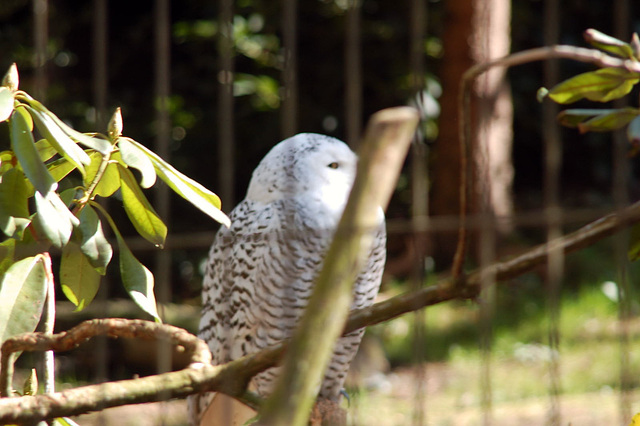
<point>305,165</point>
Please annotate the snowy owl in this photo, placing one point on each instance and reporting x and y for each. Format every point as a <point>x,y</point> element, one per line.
<point>261,270</point>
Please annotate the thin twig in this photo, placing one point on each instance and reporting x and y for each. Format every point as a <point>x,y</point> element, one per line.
<point>49,319</point>
<point>580,54</point>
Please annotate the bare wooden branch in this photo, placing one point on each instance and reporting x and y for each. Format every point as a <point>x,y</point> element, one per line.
<point>580,54</point>
<point>232,378</point>
<point>382,153</point>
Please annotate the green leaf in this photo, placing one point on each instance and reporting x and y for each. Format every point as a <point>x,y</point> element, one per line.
<point>65,421</point>
<point>598,120</point>
<point>136,278</point>
<point>140,212</point>
<point>79,279</point>
<point>45,150</point>
<point>608,44</point>
<point>94,244</point>
<point>60,168</point>
<point>22,293</point>
<point>24,147</point>
<point>14,203</point>
<point>187,188</point>
<point>602,85</point>
<point>59,140</point>
<point>53,221</point>
<point>110,181</point>
<point>7,253</point>
<point>100,145</point>
<point>136,158</point>
<point>6,103</point>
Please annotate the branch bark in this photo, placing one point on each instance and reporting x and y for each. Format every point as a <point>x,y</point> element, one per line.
<point>232,377</point>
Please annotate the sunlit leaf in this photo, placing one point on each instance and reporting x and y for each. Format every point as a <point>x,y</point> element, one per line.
<point>53,220</point>
<point>60,168</point>
<point>602,85</point>
<point>6,103</point>
<point>45,150</point>
<point>139,210</point>
<point>7,252</point>
<point>597,120</point>
<point>100,145</point>
<point>136,158</point>
<point>136,278</point>
<point>59,139</point>
<point>94,244</point>
<point>24,148</point>
<point>30,386</point>
<point>65,421</point>
<point>110,181</point>
<point>79,279</point>
<point>22,294</point>
<point>635,421</point>
<point>14,199</point>
<point>608,44</point>
<point>187,188</point>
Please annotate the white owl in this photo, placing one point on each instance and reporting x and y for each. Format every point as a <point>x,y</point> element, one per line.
<point>261,270</point>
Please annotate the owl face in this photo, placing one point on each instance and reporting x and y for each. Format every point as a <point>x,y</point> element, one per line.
<point>316,167</point>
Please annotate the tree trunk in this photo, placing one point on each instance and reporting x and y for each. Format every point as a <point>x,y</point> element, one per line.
<point>476,31</point>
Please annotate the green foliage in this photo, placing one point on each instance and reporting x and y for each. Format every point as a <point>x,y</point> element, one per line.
<point>604,85</point>
<point>34,214</point>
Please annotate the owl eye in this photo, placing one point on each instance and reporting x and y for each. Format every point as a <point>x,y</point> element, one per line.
<point>333,165</point>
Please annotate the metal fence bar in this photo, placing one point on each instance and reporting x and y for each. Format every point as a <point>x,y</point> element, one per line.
<point>41,38</point>
<point>289,91</point>
<point>353,73</point>
<point>226,157</point>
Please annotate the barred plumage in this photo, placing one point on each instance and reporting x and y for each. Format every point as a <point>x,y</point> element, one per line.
<point>261,269</point>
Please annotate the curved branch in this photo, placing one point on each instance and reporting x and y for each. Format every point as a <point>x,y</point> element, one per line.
<point>579,54</point>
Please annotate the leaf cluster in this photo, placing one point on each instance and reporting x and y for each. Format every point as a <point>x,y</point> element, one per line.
<point>602,85</point>
<point>34,213</point>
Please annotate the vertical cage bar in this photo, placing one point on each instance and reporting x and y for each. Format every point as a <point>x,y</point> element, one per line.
<point>353,73</point>
<point>41,38</point>
<point>226,157</point>
<point>289,111</point>
<point>553,211</point>
<point>162,54</point>
<point>419,205</point>
<point>620,191</point>
<point>99,88</point>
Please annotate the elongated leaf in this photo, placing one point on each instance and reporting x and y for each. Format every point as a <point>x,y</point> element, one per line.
<point>7,253</point>
<point>602,85</point>
<point>110,181</point>
<point>22,294</point>
<point>14,199</point>
<point>60,168</point>
<point>6,103</point>
<point>610,121</point>
<point>598,120</point>
<point>608,44</point>
<point>59,140</point>
<point>187,188</point>
<point>136,158</point>
<point>53,220</point>
<point>94,244</point>
<point>140,211</point>
<point>136,278</point>
<point>98,144</point>
<point>79,279</point>
<point>45,150</point>
<point>24,147</point>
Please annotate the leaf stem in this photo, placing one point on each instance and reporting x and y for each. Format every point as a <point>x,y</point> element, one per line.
<point>89,192</point>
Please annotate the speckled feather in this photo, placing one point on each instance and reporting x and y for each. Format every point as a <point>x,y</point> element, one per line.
<point>261,270</point>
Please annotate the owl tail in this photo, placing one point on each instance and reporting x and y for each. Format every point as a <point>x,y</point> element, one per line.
<point>226,411</point>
